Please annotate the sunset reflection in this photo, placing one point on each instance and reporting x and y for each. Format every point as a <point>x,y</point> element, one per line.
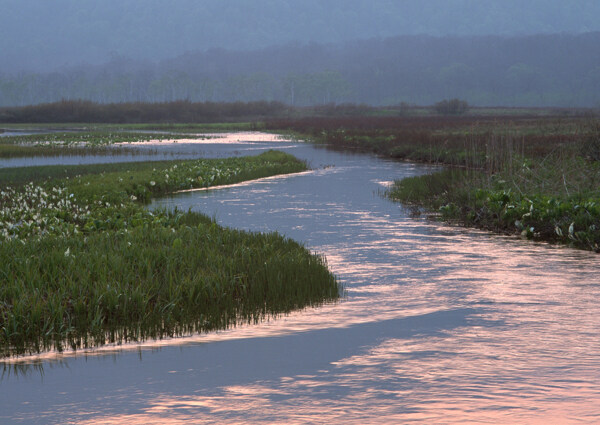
<point>438,324</point>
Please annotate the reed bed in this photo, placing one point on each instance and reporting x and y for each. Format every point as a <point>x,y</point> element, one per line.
<point>467,141</point>
<point>83,263</point>
<point>535,176</point>
<point>552,196</point>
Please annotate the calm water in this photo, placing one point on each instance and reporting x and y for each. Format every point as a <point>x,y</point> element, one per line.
<point>439,324</point>
<point>219,145</point>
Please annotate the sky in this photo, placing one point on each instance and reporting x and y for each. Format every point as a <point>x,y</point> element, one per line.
<point>46,35</point>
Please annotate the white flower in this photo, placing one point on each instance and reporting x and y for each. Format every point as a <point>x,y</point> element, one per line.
<point>152,182</point>
<point>68,252</point>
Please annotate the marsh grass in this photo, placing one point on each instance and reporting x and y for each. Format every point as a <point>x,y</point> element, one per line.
<point>153,281</point>
<point>465,141</point>
<point>83,263</point>
<point>553,198</point>
<point>25,151</point>
<point>537,176</point>
<point>98,142</point>
<point>154,179</point>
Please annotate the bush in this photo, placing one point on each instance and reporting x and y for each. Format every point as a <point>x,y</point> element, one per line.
<point>451,107</point>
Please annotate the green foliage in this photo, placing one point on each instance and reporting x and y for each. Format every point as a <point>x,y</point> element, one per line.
<point>83,263</point>
<point>108,197</point>
<point>430,189</point>
<point>68,144</point>
<point>88,139</point>
<point>517,174</point>
<point>176,277</point>
<point>533,200</point>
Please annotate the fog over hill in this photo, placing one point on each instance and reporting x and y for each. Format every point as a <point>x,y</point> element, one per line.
<point>43,35</point>
<point>541,70</point>
<point>488,52</point>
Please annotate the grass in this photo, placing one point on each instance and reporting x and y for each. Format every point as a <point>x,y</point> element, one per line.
<point>555,197</point>
<point>83,263</point>
<point>8,151</point>
<point>533,175</point>
<point>78,143</point>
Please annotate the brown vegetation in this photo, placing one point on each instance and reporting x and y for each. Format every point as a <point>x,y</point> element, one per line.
<point>471,141</point>
<point>183,111</point>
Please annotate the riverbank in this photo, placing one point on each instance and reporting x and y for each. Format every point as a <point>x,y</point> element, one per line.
<point>83,262</point>
<point>538,177</point>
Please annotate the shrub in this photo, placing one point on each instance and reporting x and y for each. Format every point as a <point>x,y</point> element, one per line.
<point>451,107</point>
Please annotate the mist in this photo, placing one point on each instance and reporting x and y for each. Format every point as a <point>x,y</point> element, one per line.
<point>488,52</point>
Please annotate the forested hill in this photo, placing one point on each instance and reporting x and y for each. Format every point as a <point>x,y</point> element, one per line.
<point>542,70</point>
<point>38,35</point>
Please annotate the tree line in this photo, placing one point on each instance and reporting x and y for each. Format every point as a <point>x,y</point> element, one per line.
<point>542,70</point>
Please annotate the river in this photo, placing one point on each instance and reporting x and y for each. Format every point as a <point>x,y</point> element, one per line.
<point>438,324</point>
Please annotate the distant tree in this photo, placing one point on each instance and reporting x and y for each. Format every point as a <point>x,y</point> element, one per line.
<point>451,107</point>
<point>456,78</point>
<point>523,77</point>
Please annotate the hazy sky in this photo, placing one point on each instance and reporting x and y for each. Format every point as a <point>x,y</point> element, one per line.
<point>46,34</point>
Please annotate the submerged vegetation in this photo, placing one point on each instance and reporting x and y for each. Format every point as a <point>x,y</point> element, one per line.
<point>83,262</point>
<point>538,177</point>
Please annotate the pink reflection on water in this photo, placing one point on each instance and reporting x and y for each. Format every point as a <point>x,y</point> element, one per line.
<point>537,363</point>
<point>243,137</point>
<point>529,354</point>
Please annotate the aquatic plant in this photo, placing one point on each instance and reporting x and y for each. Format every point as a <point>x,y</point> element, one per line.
<point>83,263</point>
<point>548,164</point>
<point>80,143</point>
<point>557,199</point>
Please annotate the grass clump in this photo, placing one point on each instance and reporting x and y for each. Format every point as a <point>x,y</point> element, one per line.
<point>83,263</point>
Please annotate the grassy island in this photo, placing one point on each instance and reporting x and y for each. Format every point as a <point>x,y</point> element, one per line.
<point>95,140</point>
<point>84,263</point>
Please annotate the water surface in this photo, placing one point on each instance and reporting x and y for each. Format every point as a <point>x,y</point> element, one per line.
<point>439,324</point>
<point>210,145</point>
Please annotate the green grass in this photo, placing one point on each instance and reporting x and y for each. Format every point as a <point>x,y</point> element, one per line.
<point>529,174</point>
<point>78,143</point>
<point>556,199</point>
<point>84,263</point>
<point>181,276</point>
<point>94,139</point>
<point>10,150</point>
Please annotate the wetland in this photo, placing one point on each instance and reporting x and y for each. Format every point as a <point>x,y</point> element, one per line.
<point>438,323</point>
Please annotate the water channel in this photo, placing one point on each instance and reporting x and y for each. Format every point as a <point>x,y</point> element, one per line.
<point>439,324</point>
